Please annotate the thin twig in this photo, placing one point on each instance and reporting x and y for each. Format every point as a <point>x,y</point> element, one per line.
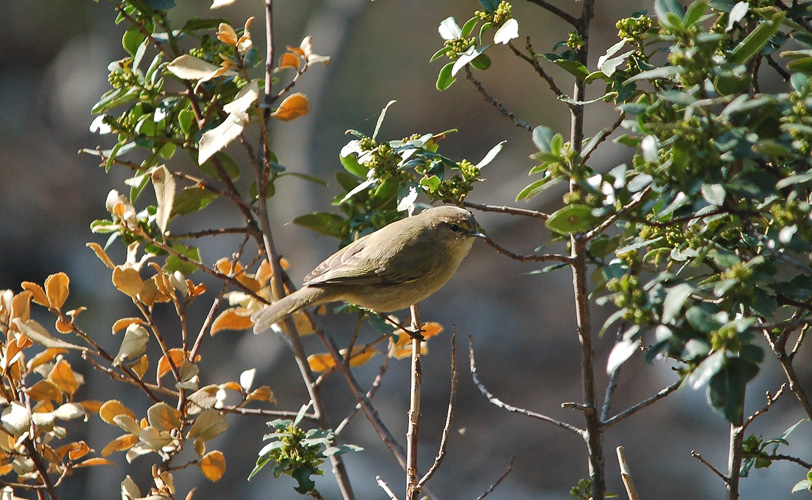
<point>642,404</point>
<point>764,409</point>
<point>413,428</point>
<point>385,487</point>
<point>496,104</point>
<point>555,10</point>
<point>498,481</point>
<point>549,257</point>
<point>452,399</point>
<point>501,404</point>
<point>533,60</point>
<point>612,385</point>
<point>709,466</point>
<point>507,210</point>
<point>376,384</point>
<point>625,474</point>
<point>610,221</point>
<point>605,133</point>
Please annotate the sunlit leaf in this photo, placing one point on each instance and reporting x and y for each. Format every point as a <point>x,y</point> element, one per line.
<point>120,443</point>
<point>263,393</point>
<point>208,425</point>
<point>63,377</point>
<point>133,345</point>
<point>39,293</point>
<point>57,288</point>
<point>127,280</point>
<point>294,106</point>
<point>164,183</point>
<point>213,465</point>
<point>232,319</point>
<point>163,417</point>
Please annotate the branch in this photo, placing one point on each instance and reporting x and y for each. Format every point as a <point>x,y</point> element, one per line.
<point>498,481</point>
<point>555,10</point>
<point>385,487</point>
<point>533,60</point>
<point>764,409</point>
<point>500,404</point>
<point>449,416</point>
<point>496,104</point>
<point>413,425</point>
<point>614,217</point>
<point>642,404</point>
<point>605,133</point>
<point>529,258</point>
<point>709,466</point>
<point>507,210</point>
<point>625,474</point>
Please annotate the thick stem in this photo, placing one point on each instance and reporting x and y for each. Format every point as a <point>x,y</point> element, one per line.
<point>414,412</point>
<point>734,460</point>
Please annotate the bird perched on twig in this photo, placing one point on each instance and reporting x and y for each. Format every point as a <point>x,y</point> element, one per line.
<point>388,270</point>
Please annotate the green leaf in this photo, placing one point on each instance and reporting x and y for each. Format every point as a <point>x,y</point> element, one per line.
<point>543,138</point>
<point>536,187</point>
<point>115,98</point>
<point>381,118</point>
<point>664,7</point>
<point>468,27</point>
<point>571,219</point>
<point>159,4</point>
<point>198,24</point>
<point>192,199</point>
<point>444,79</point>
<point>727,387</point>
<point>574,68</point>
<point>311,178</point>
<point>481,62</point>
<point>324,223</point>
<point>674,300</point>
<point>694,13</point>
<point>132,39</point>
<point>175,263</point>
<point>757,39</point>
<point>490,5</point>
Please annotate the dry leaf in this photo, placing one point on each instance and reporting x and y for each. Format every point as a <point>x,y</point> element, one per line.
<point>101,254</point>
<point>213,465</point>
<point>127,281</point>
<point>57,288</point>
<point>63,377</point>
<point>236,318</point>
<point>39,294</point>
<point>294,106</point>
<point>110,409</point>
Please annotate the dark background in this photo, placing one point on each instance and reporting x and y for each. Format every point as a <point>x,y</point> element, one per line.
<point>53,59</point>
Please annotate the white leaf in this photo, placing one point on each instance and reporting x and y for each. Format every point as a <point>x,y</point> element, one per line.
<point>69,411</point>
<point>706,369</point>
<point>164,184</point>
<point>129,490</point>
<point>40,335</point>
<point>507,32</point>
<point>15,419</point>
<point>216,4</point>
<point>449,29</point>
<point>491,155</point>
<point>737,13</point>
<point>610,52</point>
<point>191,68</point>
<point>133,345</point>
<point>649,148</point>
<point>217,138</point>
<point>622,351</point>
<point>407,203</point>
<point>247,96</point>
<point>247,379</point>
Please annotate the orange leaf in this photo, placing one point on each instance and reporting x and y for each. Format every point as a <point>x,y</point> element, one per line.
<point>57,288</point>
<point>111,409</point>
<point>213,465</point>
<point>320,362</point>
<point>263,393</point>
<point>101,254</point>
<point>362,357</point>
<point>45,356</point>
<point>74,450</point>
<point>140,367</point>
<point>176,354</point>
<point>62,375</point>
<point>91,406</point>
<point>289,60</point>
<point>45,390</point>
<point>62,325</point>
<point>94,461</point>
<point>5,469</point>
<point>191,493</point>
<point>120,443</point>
<point>226,34</point>
<point>234,386</point>
<point>127,281</point>
<point>123,323</point>
<point>21,306</point>
<point>151,293</point>
<point>294,106</point>
<point>231,319</point>
<point>295,50</point>
<point>39,294</point>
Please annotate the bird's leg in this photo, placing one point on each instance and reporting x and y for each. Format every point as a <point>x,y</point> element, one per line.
<point>417,335</point>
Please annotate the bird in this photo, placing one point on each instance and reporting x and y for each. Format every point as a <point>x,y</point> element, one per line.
<point>387,270</point>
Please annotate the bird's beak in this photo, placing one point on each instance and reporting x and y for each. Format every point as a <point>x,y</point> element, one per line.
<point>478,234</point>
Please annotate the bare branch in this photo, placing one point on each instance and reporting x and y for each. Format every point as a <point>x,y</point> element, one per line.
<point>501,404</point>
<point>533,60</point>
<point>498,481</point>
<point>764,409</point>
<point>550,257</point>
<point>626,475</point>
<point>555,10</point>
<point>507,210</point>
<point>496,104</point>
<point>385,487</point>
<point>709,466</point>
<point>452,399</point>
<point>642,404</point>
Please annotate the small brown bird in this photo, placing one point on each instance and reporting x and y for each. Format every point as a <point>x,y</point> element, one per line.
<point>388,270</point>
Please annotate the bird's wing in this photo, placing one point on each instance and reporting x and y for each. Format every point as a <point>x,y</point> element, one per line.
<point>353,265</point>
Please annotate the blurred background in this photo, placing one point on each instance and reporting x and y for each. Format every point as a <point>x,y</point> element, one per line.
<point>53,59</point>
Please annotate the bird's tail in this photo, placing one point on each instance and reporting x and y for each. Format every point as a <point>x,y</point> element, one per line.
<point>276,312</point>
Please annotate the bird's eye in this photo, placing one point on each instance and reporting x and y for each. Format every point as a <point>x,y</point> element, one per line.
<point>454,227</point>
